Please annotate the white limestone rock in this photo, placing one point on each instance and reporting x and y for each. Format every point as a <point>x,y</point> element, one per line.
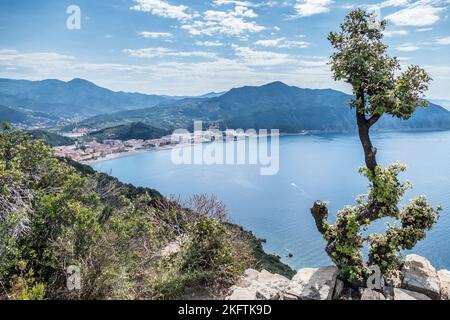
<point>256,285</point>
<point>444,281</point>
<point>312,284</point>
<point>420,276</point>
<point>403,294</point>
<point>369,294</point>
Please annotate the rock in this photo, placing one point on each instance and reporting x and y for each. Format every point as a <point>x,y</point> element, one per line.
<point>369,294</point>
<point>420,276</point>
<point>403,294</point>
<point>444,280</point>
<point>174,246</point>
<point>312,284</point>
<point>240,293</point>
<point>256,285</point>
<point>339,287</point>
<point>270,286</point>
<point>388,292</point>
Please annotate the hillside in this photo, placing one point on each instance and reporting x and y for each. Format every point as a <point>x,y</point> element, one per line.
<point>27,117</point>
<point>135,130</point>
<point>275,105</point>
<point>50,138</point>
<point>126,242</point>
<point>11,115</point>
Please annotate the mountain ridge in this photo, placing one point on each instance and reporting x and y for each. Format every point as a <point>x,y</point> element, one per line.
<point>272,106</point>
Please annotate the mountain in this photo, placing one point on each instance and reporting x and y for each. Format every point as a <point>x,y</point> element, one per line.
<point>274,105</point>
<point>136,130</point>
<point>210,95</point>
<point>441,102</point>
<point>75,99</point>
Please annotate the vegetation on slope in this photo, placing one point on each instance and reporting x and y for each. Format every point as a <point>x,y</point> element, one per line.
<point>135,130</point>
<point>55,213</point>
<point>50,138</point>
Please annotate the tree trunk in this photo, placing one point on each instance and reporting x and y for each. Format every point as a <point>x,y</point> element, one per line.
<point>370,151</point>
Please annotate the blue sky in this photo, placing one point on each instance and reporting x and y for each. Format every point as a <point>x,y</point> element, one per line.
<point>178,47</point>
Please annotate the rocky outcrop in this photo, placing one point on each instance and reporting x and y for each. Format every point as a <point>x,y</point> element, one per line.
<point>256,285</point>
<point>417,281</point>
<point>420,276</point>
<point>403,294</point>
<point>444,281</point>
<point>312,284</point>
<point>368,294</point>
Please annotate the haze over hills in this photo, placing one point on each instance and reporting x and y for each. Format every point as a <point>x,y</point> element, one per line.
<point>275,105</point>
<point>76,99</point>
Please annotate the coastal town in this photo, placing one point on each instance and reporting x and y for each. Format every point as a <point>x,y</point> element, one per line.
<point>94,150</point>
<point>85,151</point>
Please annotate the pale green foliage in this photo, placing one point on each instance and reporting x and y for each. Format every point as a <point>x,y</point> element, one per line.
<point>361,60</point>
<point>385,187</point>
<point>345,238</point>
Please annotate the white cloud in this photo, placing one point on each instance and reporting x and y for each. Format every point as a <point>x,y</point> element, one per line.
<point>180,77</point>
<point>269,42</point>
<point>282,43</point>
<point>389,3</point>
<point>252,57</point>
<point>306,8</point>
<point>155,35</point>
<point>269,3</point>
<point>408,47</point>
<point>443,41</point>
<point>394,33</point>
<point>234,2</point>
<point>209,43</point>
<point>164,52</point>
<point>419,14</point>
<point>232,22</point>
<point>424,29</point>
<point>12,58</point>
<point>163,9</point>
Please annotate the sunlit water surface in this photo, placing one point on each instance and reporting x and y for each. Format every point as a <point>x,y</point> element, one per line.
<point>276,207</point>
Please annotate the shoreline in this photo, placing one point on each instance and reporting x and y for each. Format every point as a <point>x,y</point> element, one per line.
<point>124,154</point>
<point>119,155</point>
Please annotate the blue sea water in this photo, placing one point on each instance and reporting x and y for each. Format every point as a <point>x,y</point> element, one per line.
<point>314,167</point>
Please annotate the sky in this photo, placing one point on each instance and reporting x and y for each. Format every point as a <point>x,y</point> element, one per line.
<point>176,47</point>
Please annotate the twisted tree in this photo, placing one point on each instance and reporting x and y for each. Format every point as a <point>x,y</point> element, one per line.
<point>379,88</point>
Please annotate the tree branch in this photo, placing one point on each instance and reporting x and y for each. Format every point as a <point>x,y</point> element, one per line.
<point>374,119</point>
<point>320,214</point>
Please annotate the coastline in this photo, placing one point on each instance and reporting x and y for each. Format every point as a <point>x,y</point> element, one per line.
<point>124,154</point>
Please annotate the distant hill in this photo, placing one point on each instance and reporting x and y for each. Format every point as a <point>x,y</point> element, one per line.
<point>52,139</point>
<point>11,115</point>
<point>77,98</point>
<point>275,105</point>
<point>23,116</point>
<point>136,130</point>
<point>442,103</point>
